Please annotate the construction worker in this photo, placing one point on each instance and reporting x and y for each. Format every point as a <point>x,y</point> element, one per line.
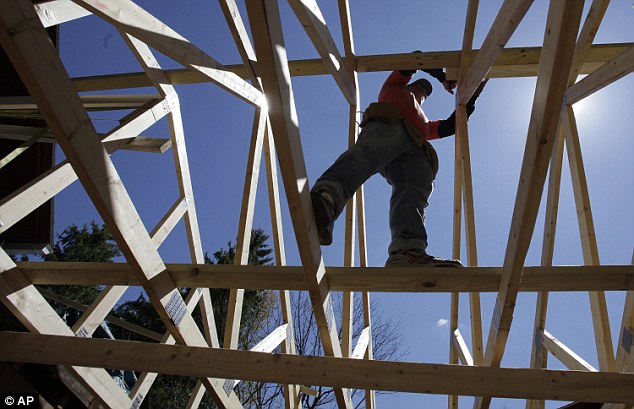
<point>394,142</point>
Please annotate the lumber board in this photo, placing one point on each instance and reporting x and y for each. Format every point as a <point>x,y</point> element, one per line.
<point>608,73</point>
<point>311,18</point>
<point>266,30</point>
<point>460,346</point>
<point>134,20</point>
<point>371,279</point>
<point>564,354</point>
<point>470,229</point>
<point>50,87</point>
<point>56,12</point>
<point>316,370</point>
<point>23,300</point>
<point>245,225</point>
<point>589,246</point>
<point>508,18</point>
<point>560,35</point>
<point>595,15</point>
<point>539,357</point>
<point>511,63</point>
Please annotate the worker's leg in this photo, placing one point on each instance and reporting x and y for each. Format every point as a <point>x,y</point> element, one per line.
<point>378,144</point>
<point>411,178</point>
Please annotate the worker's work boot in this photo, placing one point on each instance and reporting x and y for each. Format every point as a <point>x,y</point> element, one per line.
<point>417,258</point>
<point>324,210</point>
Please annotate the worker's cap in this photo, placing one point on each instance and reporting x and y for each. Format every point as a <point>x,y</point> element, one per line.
<point>424,84</point>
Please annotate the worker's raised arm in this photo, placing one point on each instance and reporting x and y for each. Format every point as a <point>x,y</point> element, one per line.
<point>447,127</point>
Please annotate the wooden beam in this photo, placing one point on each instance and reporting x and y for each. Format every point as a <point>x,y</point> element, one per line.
<point>315,370</point>
<point>23,300</point>
<point>590,249</point>
<point>270,342</point>
<point>610,72</point>
<point>362,344</point>
<point>624,352</point>
<point>539,357</point>
<point>586,36</point>
<point>561,31</point>
<point>564,354</point>
<point>511,63</point>
<point>28,45</point>
<point>309,15</point>
<point>110,318</point>
<point>371,279</point>
<point>90,102</point>
<point>508,18</point>
<point>267,34</point>
<point>55,12</point>
<point>245,225</point>
<point>132,19</point>
<point>461,347</point>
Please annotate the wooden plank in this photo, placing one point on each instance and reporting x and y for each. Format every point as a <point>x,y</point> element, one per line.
<point>539,358</point>
<point>132,19</point>
<point>508,18</point>
<point>17,205</point>
<point>624,353</point>
<point>362,344</point>
<point>90,102</point>
<point>561,31</point>
<point>512,62</point>
<point>146,380</point>
<point>167,223</point>
<point>152,68</point>
<point>138,121</point>
<point>23,300</point>
<point>269,343</point>
<point>590,249</point>
<point>461,347</point>
<point>315,370</point>
<point>452,400</point>
<point>241,38</point>
<point>17,151</point>
<point>564,354</point>
<point>309,15</point>
<point>374,279</point>
<point>98,311</point>
<point>612,71</point>
<point>55,12</point>
<point>586,36</point>
<point>110,318</point>
<point>266,31</point>
<point>245,225</point>
<point>140,144</point>
<point>470,229</point>
<point>27,47</point>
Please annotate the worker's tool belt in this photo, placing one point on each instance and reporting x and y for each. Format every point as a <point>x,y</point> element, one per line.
<point>378,111</point>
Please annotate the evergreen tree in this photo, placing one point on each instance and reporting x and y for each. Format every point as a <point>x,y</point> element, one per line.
<point>92,243</point>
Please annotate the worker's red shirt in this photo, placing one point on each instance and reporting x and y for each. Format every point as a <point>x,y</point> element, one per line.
<point>394,92</point>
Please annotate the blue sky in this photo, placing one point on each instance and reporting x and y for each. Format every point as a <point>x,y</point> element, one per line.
<point>218,127</point>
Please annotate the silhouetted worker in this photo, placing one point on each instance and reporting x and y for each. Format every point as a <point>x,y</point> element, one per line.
<point>394,141</point>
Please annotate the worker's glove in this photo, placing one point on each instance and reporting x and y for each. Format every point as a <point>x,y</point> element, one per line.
<point>449,85</point>
<point>474,97</point>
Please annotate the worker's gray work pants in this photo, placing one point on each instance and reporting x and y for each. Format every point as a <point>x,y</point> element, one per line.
<point>387,149</point>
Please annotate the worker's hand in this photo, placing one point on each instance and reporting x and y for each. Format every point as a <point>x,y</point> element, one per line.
<point>449,85</point>
<point>478,90</point>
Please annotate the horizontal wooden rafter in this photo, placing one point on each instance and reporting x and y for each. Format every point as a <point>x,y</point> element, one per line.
<point>512,62</point>
<point>316,370</point>
<point>379,279</point>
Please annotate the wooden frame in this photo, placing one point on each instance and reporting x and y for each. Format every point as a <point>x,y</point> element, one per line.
<point>265,71</point>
